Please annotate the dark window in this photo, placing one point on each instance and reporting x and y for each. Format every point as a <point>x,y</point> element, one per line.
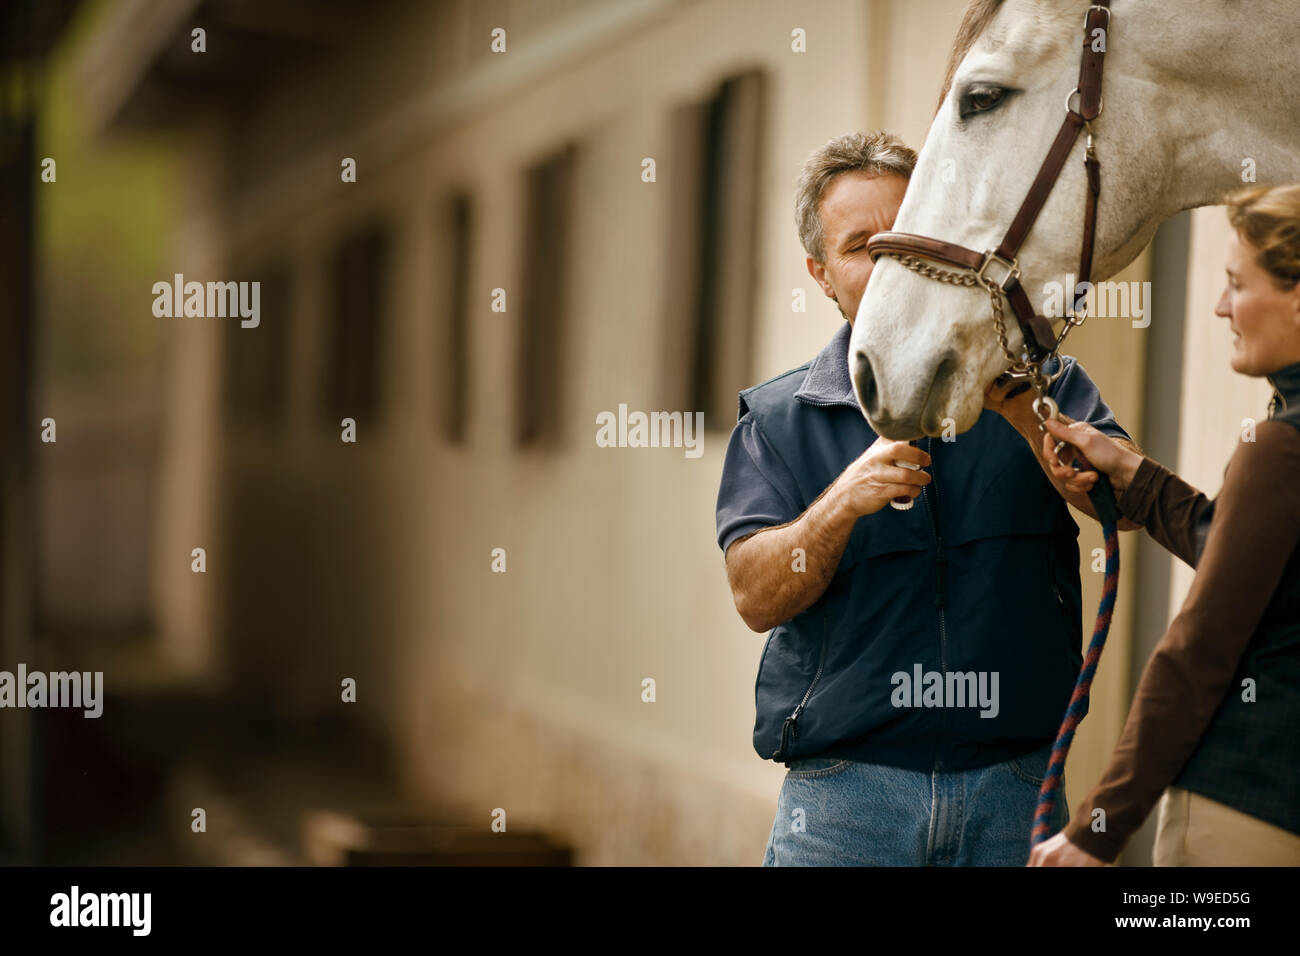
<point>353,350</point>
<point>541,326</point>
<point>712,259</point>
<point>256,356</point>
<point>454,345</point>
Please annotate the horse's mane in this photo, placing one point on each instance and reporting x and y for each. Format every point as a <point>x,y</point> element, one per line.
<point>978,15</point>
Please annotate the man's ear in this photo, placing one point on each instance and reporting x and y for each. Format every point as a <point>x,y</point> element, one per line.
<point>818,271</point>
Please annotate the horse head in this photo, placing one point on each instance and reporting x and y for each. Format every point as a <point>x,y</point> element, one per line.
<point>923,352</point>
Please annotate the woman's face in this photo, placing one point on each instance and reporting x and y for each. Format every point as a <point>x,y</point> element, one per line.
<point>1265,320</point>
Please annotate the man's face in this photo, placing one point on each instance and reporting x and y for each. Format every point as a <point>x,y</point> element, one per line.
<point>854,208</point>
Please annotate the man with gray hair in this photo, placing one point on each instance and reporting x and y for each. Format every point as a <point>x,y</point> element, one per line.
<point>919,659</point>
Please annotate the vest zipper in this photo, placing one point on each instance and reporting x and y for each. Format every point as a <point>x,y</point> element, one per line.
<point>1061,602</point>
<point>940,598</point>
<point>789,729</point>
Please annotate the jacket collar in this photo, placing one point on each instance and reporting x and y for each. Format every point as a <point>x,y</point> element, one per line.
<point>1286,390</point>
<point>828,381</point>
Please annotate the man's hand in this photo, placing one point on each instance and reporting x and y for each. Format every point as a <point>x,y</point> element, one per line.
<point>766,588</point>
<point>1014,400</point>
<point>873,480</point>
<point>1059,851</point>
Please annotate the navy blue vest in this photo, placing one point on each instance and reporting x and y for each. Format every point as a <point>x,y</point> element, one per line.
<point>979,578</point>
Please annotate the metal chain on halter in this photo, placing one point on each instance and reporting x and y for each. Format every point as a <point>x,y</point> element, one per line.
<point>1023,367</point>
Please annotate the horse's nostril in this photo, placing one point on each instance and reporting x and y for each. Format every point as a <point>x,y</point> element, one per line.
<point>946,369</point>
<point>864,383</point>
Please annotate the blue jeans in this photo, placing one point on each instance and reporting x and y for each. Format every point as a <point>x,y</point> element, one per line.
<point>835,812</point>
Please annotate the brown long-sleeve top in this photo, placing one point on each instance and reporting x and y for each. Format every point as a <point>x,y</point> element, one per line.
<point>1253,530</point>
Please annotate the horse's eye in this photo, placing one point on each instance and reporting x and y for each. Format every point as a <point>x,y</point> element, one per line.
<point>981,99</point>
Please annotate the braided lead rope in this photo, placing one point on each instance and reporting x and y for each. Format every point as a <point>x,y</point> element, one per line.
<point>1102,496</point>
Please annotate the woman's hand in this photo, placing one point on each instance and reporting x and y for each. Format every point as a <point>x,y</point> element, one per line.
<point>1103,453</point>
<point>1059,851</point>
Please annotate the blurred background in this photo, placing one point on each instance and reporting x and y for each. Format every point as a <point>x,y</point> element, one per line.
<point>480,694</point>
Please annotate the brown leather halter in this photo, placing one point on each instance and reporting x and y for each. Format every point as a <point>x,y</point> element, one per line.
<point>913,250</point>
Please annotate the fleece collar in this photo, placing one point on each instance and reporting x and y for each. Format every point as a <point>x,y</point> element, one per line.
<point>828,381</point>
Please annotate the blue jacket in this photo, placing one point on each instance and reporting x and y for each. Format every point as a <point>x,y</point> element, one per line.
<point>979,581</point>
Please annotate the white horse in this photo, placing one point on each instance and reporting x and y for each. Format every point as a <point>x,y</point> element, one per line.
<point>1195,94</point>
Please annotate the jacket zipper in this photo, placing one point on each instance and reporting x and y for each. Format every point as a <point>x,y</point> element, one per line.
<point>788,728</point>
<point>1061,602</point>
<point>940,599</point>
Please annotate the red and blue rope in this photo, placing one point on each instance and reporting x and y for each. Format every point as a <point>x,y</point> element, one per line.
<point>1102,497</point>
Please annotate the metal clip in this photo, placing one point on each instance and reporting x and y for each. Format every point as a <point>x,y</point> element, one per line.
<point>1097,6</point>
<point>1101,103</point>
<point>1045,401</point>
<point>1012,274</point>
